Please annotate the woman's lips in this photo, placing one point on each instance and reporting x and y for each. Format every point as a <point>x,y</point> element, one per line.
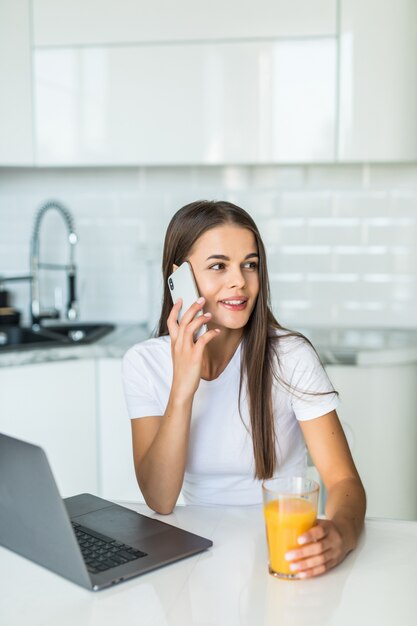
<point>231,306</point>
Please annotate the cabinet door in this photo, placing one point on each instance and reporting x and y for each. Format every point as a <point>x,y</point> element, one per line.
<point>53,405</point>
<point>16,147</point>
<point>85,22</point>
<point>378,81</point>
<point>117,471</point>
<point>377,411</point>
<point>254,102</point>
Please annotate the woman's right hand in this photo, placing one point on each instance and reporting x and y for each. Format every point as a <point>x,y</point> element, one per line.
<point>187,355</point>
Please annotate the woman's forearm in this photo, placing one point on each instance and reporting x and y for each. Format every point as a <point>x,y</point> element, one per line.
<point>161,471</point>
<point>346,507</point>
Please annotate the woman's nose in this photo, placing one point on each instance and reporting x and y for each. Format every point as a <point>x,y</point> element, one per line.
<point>236,278</point>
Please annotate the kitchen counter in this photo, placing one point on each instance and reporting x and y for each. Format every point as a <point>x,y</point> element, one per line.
<point>113,345</point>
<point>364,346</point>
<point>229,584</point>
<point>336,346</point>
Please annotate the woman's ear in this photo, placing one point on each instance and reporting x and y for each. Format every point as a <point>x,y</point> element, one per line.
<point>174,267</point>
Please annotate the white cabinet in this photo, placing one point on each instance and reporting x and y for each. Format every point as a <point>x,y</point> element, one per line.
<point>76,411</point>
<point>234,102</point>
<point>378,412</point>
<point>86,22</point>
<point>378,81</point>
<point>117,472</point>
<point>257,85</point>
<point>16,145</point>
<point>181,83</point>
<point>53,405</point>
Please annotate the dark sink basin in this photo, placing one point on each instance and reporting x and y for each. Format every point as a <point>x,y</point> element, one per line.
<point>14,336</point>
<point>21,338</point>
<point>78,333</point>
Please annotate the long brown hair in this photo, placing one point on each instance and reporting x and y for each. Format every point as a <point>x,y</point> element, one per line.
<point>259,338</point>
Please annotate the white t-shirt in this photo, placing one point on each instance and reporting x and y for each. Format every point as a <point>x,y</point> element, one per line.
<point>220,465</point>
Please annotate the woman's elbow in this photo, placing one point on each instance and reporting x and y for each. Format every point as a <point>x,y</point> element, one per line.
<point>159,507</point>
<point>162,508</point>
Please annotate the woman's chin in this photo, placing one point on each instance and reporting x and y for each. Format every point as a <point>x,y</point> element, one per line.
<point>227,324</point>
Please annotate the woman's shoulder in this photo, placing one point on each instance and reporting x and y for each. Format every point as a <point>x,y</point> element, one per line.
<point>292,348</point>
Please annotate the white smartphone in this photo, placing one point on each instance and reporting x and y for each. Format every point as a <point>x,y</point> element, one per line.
<point>182,285</point>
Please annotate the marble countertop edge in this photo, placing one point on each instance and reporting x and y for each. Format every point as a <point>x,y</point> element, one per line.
<point>115,344</point>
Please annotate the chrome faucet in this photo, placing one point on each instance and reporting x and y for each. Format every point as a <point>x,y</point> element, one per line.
<point>37,314</point>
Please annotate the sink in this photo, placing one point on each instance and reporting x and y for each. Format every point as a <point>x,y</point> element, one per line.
<point>53,335</point>
<point>12,337</point>
<point>78,333</point>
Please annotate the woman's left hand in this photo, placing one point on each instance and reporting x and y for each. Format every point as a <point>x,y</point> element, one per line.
<point>323,547</point>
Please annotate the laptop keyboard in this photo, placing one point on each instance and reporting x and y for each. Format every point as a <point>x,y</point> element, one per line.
<point>101,552</point>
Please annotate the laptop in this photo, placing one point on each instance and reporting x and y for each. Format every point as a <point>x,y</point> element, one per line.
<point>90,541</point>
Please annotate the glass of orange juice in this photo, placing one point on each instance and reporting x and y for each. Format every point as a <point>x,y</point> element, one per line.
<point>290,509</point>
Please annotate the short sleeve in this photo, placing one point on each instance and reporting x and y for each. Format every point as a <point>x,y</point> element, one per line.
<point>141,398</point>
<point>312,394</point>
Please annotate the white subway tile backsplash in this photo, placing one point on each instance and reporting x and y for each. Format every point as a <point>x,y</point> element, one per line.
<point>393,176</point>
<point>341,240</point>
<point>328,278</point>
<point>297,263</point>
<point>172,178</point>
<point>306,250</point>
<point>261,205</point>
<point>274,177</point>
<point>390,231</point>
<point>306,204</point>
<point>404,259</point>
<point>208,178</point>
<point>335,234</point>
<point>334,177</point>
<point>236,178</point>
<point>286,290</point>
<point>356,262</point>
<point>361,204</point>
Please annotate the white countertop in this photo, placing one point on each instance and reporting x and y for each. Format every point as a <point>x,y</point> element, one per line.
<point>229,584</point>
<point>336,346</point>
<point>364,346</point>
<point>113,345</point>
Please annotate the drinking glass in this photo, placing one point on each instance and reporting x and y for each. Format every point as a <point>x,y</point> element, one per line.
<point>290,509</point>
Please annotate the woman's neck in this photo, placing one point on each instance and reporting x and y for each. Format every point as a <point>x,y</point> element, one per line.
<point>219,352</point>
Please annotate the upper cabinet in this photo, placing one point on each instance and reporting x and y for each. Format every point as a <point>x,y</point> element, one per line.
<point>378,81</point>
<point>16,144</point>
<point>234,102</point>
<point>184,82</point>
<point>160,83</point>
<point>88,22</point>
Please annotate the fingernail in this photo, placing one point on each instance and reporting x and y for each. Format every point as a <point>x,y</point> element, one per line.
<point>207,314</point>
<point>200,300</point>
<point>302,575</point>
<point>302,540</point>
<point>293,567</point>
<point>289,556</point>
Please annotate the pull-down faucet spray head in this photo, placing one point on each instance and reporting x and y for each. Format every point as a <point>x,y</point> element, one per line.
<point>72,307</point>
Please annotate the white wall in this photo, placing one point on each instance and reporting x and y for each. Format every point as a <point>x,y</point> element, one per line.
<point>342,240</point>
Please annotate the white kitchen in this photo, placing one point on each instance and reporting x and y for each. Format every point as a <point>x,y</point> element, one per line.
<point>113,116</point>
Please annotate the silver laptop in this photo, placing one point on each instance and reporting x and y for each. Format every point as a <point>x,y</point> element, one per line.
<point>86,539</point>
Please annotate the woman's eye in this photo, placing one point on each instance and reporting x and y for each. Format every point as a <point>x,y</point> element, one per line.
<point>251,265</point>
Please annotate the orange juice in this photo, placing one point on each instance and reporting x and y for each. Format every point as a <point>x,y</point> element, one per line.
<point>286,519</point>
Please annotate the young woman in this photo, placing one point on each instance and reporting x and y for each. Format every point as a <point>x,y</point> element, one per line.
<point>212,418</point>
